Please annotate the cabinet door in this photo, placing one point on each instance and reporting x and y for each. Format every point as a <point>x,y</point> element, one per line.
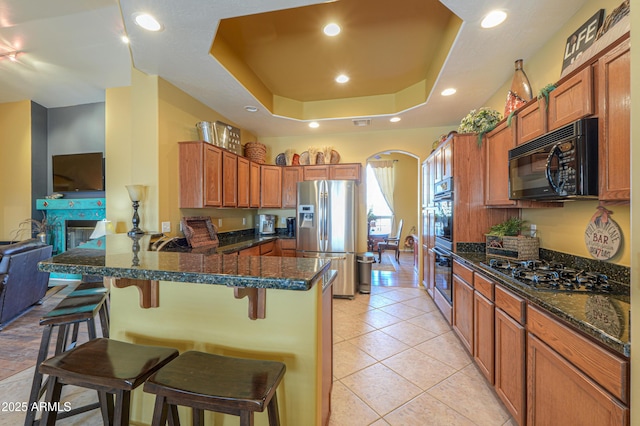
<point>212,176</point>
<point>498,143</point>
<point>345,171</point>
<point>614,124</point>
<point>254,182</point>
<point>290,178</point>
<point>447,159</point>
<point>483,335</point>
<point>251,251</point>
<point>531,121</point>
<point>244,182</point>
<point>462,320</point>
<point>510,365</point>
<point>229,179</point>
<point>571,100</point>
<point>270,186</point>
<point>552,379</point>
<point>316,172</point>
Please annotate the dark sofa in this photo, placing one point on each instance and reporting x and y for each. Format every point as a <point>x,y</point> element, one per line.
<point>21,284</point>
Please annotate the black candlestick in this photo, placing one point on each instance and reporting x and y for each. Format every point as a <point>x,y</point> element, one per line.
<point>135,220</point>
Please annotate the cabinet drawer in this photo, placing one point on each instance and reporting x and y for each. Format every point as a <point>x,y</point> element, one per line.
<point>288,244</point>
<point>608,370</point>
<point>463,272</point>
<point>483,285</point>
<point>267,247</point>
<point>511,304</point>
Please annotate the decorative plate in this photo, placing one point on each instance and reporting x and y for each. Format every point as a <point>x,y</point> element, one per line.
<point>335,157</point>
<point>296,160</point>
<point>281,159</point>
<point>304,159</point>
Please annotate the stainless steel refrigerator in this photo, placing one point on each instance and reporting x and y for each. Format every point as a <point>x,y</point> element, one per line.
<point>326,228</point>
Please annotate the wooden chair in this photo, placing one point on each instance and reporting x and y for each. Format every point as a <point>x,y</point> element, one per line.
<point>391,243</point>
<point>223,384</point>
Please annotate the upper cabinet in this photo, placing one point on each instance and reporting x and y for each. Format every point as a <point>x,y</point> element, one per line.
<point>270,186</point>
<point>572,99</point>
<point>229,179</point>
<point>346,171</point>
<point>290,178</point>
<point>498,142</point>
<point>244,182</point>
<point>200,175</point>
<point>614,123</point>
<point>531,121</point>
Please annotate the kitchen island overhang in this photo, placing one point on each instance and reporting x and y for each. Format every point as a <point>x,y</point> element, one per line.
<point>203,314</point>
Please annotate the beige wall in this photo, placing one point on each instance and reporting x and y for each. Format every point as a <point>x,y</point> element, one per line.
<point>15,173</point>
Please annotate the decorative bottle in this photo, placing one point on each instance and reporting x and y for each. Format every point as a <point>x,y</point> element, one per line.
<point>520,91</point>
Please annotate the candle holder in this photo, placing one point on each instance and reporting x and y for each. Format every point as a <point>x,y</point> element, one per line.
<point>135,193</point>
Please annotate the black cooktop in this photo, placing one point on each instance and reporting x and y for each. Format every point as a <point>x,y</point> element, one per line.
<point>552,276</point>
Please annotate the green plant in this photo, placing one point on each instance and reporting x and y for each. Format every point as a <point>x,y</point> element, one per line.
<point>480,121</point>
<point>544,93</point>
<point>510,227</point>
<point>34,226</point>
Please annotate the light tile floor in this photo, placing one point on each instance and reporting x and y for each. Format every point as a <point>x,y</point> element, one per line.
<point>398,362</point>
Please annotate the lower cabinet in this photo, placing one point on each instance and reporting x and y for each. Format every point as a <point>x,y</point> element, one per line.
<point>510,385</point>
<point>483,334</point>
<point>287,247</point>
<point>462,320</point>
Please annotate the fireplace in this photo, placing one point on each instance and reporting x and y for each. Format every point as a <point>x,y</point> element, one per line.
<point>78,232</point>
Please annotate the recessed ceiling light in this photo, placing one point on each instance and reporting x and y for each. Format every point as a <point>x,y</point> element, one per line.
<point>395,119</point>
<point>342,78</point>
<point>125,39</point>
<point>147,22</point>
<point>448,92</point>
<point>331,29</point>
<point>251,108</point>
<point>314,124</point>
<point>493,19</point>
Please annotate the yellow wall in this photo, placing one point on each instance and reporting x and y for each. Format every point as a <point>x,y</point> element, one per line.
<point>562,229</point>
<point>15,173</point>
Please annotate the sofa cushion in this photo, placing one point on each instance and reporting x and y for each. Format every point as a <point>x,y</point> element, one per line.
<point>20,247</point>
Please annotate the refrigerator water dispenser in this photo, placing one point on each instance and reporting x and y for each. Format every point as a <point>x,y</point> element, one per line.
<point>306,215</point>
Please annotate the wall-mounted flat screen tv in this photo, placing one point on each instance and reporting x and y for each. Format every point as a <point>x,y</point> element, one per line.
<point>78,172</point>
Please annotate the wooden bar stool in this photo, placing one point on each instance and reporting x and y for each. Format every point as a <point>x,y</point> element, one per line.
<point>203,381</point>
<point>111,367</point>
<point>66,319</point>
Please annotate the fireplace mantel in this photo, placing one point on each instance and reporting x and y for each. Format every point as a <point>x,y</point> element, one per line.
<point>61,210</point>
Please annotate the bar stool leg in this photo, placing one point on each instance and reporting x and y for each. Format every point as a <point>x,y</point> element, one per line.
<point>246,418</point>
<point>123,402</point>
<point>106,407</point>
<point>36,384</point>
<point>54,389</point>
<point>272,410</point>
<point>198,417</point>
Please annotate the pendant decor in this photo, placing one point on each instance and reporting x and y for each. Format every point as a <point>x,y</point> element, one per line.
<point>603,235</point>
<point>520,91</point>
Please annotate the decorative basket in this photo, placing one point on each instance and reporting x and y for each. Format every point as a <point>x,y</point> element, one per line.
<point>255,151</point>
<point>518,248</point>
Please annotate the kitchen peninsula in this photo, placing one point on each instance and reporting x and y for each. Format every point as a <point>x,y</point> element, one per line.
<point>195,301</point>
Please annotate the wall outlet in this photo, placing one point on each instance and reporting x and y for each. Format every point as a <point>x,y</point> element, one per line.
<point>219,222</point>
<point>533,230</point>
<point>244,220</point>
<point>282,220</point>
<point>166,226</point>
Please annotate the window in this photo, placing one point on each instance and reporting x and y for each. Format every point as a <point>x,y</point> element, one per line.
<point>377,205</point>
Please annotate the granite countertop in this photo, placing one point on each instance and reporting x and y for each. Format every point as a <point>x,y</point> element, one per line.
<point>605,317</point>
<point>121,258</point>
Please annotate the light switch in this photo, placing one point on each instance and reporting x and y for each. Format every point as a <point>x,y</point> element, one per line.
<point>166,226</point>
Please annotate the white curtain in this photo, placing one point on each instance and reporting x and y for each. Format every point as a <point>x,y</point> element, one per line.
<point>385,175</point>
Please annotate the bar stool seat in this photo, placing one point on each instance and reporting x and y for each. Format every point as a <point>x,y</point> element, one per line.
<point>218,383</point>
<point>109,366</point>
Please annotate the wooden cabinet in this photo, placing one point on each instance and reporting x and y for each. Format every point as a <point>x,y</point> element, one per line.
<point>443,161</point>
<point>251,251</point>
<point>270,186</point>
<point>553,379</point>
<point>614,123</point>
<point>427,241</point>
<point>268,249</point>
<point>244,182</point>
<point>462,319</point>
<point>483,326</point>
<point>346,171</point>
<point>290,178</point>
<point>287,247</point>
<point>200,171</point>
<point>498,142</point>
<point>572,99</point>
<point>530,121</point>
<point>229,179</point>
<point>510,364</point>
<point>254,182</point>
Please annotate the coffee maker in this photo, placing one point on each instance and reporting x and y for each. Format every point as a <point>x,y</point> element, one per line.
<point>291,226</point>
<point>265,224</point>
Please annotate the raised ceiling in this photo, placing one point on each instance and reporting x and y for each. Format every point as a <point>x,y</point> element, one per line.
<point>72,52</point>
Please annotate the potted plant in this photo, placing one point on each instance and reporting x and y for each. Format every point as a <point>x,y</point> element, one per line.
<point>480,121</point>
<point>40,228</point>
<point>506,240</point>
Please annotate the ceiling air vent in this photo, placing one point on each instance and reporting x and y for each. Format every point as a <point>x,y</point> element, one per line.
<point>363,122</point>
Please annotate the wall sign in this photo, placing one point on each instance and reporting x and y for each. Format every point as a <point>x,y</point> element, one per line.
<point>602,236</point>
<point>582,38</point>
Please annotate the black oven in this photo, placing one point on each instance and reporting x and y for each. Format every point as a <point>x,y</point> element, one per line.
<point>443,211</point>
<point>444,273</point>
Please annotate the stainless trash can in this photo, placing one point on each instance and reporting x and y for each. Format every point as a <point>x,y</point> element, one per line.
<point>365,261</point>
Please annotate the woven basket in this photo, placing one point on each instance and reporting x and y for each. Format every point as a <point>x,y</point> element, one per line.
<point>518,248</point>
<point>255,151</point>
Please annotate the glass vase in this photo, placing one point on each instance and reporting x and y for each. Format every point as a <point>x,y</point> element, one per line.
<point>520,91</point>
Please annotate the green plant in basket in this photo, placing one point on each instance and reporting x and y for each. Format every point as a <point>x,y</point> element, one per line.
<point>480,121</point>
<point>510,227</point>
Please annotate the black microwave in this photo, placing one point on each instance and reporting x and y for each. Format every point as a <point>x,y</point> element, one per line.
<point>559,165</point>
